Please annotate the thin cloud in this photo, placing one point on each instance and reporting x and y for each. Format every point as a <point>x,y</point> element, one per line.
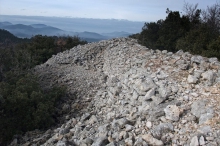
<point>138,10</point>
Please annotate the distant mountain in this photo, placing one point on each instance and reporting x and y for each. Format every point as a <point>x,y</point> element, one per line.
<point>38,25</point>
<point>91,36</point>
<point>116,34</point>
<point>94,37</point>
<point>5,23</point>
<point>27,31</point>
<point>18,26</point>
<point>78,24</point>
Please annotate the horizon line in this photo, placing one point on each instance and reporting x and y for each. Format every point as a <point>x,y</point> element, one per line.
<point>75,17</point>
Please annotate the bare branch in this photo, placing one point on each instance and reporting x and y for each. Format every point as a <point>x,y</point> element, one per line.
<point>190,9</point>
<point>212,16</point>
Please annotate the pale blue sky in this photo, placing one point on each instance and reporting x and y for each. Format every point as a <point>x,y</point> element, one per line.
<point>135,10</point>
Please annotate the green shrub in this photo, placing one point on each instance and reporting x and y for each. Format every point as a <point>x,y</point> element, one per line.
<point>213,49</point>
<point>189,32</point>
<point>25,106</point>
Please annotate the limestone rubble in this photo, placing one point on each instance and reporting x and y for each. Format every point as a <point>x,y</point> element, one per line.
<point>129,95</point>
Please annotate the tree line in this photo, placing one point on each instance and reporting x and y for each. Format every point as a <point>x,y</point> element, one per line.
<point>24,105</point>
<point>196,31</point>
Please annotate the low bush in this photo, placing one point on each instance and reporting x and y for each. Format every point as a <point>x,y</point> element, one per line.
<point>25,106</point>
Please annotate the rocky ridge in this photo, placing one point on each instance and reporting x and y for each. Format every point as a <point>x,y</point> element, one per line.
<point>130,95</point>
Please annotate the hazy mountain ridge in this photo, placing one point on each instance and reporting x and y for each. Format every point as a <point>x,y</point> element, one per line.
<point>101,29</point>
<point>78,24</point>
<point>27,31</point>
<point>38,25</point>
<point>118,33</point>
<point>5,23</point>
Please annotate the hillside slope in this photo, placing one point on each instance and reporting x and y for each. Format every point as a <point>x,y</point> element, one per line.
<point>128,94</point>
<point>7,36</point>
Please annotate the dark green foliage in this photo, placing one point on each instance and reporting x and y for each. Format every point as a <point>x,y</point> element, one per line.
<point>4,35</point>
<point>213,48</point>
<point>73,41</point>
<point>196,31</point>
<point>164,33</point>
<point>196,19</point>
<point>150,34</point>
<point>14,61</point>
<point>24,105</point>
<point>196,41</point>
<point>135,36</point>
<point>173,28</point>
<point>43,47</point>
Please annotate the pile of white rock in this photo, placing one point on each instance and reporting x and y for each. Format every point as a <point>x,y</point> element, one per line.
<point>129,95</point>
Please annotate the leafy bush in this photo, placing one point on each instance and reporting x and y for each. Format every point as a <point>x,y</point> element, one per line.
<point>213,49</point>
<point>173,28</point>
<point>41,48</point>
<point>196,41</point>
<point>197,31</point>
<point>25,106</point>
<point>150,34</point>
